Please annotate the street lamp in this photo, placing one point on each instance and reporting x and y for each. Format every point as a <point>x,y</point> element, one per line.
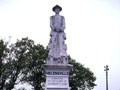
<point>106,69</point>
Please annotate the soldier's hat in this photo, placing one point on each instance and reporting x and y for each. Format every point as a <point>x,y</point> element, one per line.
<point>57,6</point>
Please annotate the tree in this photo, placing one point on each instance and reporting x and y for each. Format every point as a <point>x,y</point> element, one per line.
<point>22,62</point>
<point>34,73</point>
<point>35,76</point>
<point>18,56</point>
<point>5,65</point>
<point>13,61</point>
<point>80,75</point>
<point>3,54</point>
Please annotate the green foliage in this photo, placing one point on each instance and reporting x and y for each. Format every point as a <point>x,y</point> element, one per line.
<point>28,59</point>
<point>23,60</point>
<point>2,56</point>
<point>33,72</point>
<point>79,75</point>
<point>18,57</point>
<point>5,65</point>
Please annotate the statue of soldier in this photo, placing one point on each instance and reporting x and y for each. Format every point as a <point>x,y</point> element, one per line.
<point>57,47</point>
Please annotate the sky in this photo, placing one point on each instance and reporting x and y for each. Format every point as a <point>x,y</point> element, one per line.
<point>92,30</point>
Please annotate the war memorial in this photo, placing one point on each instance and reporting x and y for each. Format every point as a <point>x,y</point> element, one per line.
<point>57,67</point>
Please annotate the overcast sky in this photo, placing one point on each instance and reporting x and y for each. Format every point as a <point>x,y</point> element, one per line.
<point>92,29</point>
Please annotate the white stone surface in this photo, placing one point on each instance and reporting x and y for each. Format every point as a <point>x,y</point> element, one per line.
<point>57,47</point>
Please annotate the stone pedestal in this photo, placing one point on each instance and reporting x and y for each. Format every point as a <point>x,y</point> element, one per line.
<point>57,68</point>
<point>57,76</point>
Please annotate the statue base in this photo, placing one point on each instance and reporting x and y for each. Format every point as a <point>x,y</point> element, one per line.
<point>57,76</point>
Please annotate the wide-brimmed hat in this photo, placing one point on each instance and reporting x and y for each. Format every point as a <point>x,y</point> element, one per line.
<point>57,6</point>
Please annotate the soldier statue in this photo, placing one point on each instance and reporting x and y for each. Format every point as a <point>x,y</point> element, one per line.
<point>57,47</point>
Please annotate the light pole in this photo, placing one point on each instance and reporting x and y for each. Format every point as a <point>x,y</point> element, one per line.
<point>106,69</point>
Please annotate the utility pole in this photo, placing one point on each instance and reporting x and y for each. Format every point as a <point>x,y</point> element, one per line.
<point>106,69</point>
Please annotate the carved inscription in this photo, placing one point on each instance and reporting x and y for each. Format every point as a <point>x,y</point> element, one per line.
<point>57,82</point>
<point>57,73</point>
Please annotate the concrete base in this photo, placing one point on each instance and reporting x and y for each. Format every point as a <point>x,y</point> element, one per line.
<point>57,76</point>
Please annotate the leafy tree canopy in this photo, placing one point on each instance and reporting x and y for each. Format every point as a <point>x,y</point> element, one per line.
<point>23,60</point>
<point>80,75</point>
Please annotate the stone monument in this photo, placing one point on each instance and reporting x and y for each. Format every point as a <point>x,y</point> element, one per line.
<point>57,68</point>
